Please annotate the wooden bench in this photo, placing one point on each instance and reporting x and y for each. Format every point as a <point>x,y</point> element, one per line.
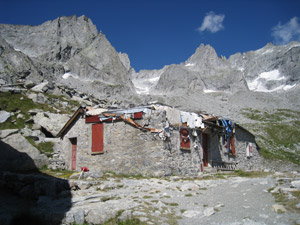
<point>226,166</point>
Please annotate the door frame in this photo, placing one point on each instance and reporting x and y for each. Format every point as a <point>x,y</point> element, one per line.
<point>73,153</point>
<point>205,149</point>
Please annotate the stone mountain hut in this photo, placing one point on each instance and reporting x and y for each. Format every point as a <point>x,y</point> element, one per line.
<point>154,140</point>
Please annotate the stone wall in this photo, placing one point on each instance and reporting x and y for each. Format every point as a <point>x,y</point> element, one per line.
<point>183,162</point>
<point>127,150</point>
<point>241,139</point>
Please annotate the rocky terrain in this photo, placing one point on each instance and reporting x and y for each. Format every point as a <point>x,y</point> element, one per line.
<point>241,198</point>
<point>47,71</point>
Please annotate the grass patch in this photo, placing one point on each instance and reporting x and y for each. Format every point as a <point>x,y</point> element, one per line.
<point>173,204</point>
<point>277,133</point>
<point>57,173</point>
<point>130,221</point>
<point>44,147</point>
<point>250,174</point>
<point>189,195</point>
<point>147,197</point>
<point>71,103</point>
<point>111,174</point>
<point>19,103</point>
<point>289,204</point>
<point>154,201</point>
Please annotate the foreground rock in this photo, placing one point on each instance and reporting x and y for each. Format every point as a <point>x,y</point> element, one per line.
<point>51,122</point>
<point>17,149</point>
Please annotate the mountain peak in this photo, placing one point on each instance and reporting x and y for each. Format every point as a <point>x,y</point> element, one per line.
<point>204,55</point>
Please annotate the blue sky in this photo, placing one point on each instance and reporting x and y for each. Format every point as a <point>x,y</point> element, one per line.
<point>155,33</point>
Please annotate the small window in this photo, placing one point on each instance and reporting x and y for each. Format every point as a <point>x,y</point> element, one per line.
<point>185,143</point>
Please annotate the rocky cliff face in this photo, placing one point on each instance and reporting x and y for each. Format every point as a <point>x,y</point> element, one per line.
<point>67,51</point>
<point>70,52</point>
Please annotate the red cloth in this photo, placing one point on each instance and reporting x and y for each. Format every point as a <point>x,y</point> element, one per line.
<point>232,148</point>
<point>84,169</point>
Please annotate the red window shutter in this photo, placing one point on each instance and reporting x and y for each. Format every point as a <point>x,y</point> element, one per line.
<point>92,119</point>
<point>97,138</point>
<point>184,139</point>
<point>138,115</point>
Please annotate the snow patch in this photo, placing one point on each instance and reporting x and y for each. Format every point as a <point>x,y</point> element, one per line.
<point>209,91</point>
<point>67,75</point>
<point>271,75</point>
<point>190,64</point>
<point>268,51</point>
<point>143,86</point>
<point>288,87</point>
<point>153,80</point>
<point>258,84</point>
<point>294,45</point>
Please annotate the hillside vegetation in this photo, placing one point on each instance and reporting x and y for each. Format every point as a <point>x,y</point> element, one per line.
<point>277,133</point>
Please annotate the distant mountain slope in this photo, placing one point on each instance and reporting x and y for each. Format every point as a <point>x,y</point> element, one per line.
<point>270,69</point>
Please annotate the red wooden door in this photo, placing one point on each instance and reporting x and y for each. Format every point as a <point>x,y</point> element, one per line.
<point>97,138</point>
<point>74,150</point>
<point>204,146</point>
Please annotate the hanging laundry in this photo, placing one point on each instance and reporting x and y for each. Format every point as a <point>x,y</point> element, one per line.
<point>227,124</point>
<point>192,119</point>
<point>167,130</point>
<point>195,133</point>
<point>249,150</point>
<point>227,145</point>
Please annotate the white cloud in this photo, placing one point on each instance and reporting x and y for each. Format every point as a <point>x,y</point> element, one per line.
<point>285,33</point>
<point>212,22</point>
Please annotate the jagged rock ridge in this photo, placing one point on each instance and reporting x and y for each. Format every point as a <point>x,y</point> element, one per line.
<point>66,51</point>
<point>272,68</point>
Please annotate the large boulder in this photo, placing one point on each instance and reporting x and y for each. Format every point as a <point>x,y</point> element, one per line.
<point>20,155</point>
<point>51,122</point>
<point>4,116</point>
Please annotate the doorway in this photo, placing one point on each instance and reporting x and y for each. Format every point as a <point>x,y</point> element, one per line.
<point>74,152</point>
<point>204,147</point>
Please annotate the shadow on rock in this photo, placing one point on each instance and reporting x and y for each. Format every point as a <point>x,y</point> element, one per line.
<point>28,196</point>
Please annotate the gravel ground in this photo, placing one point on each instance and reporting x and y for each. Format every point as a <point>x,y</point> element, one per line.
<point>211,199</point>
<point>233,200</point>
